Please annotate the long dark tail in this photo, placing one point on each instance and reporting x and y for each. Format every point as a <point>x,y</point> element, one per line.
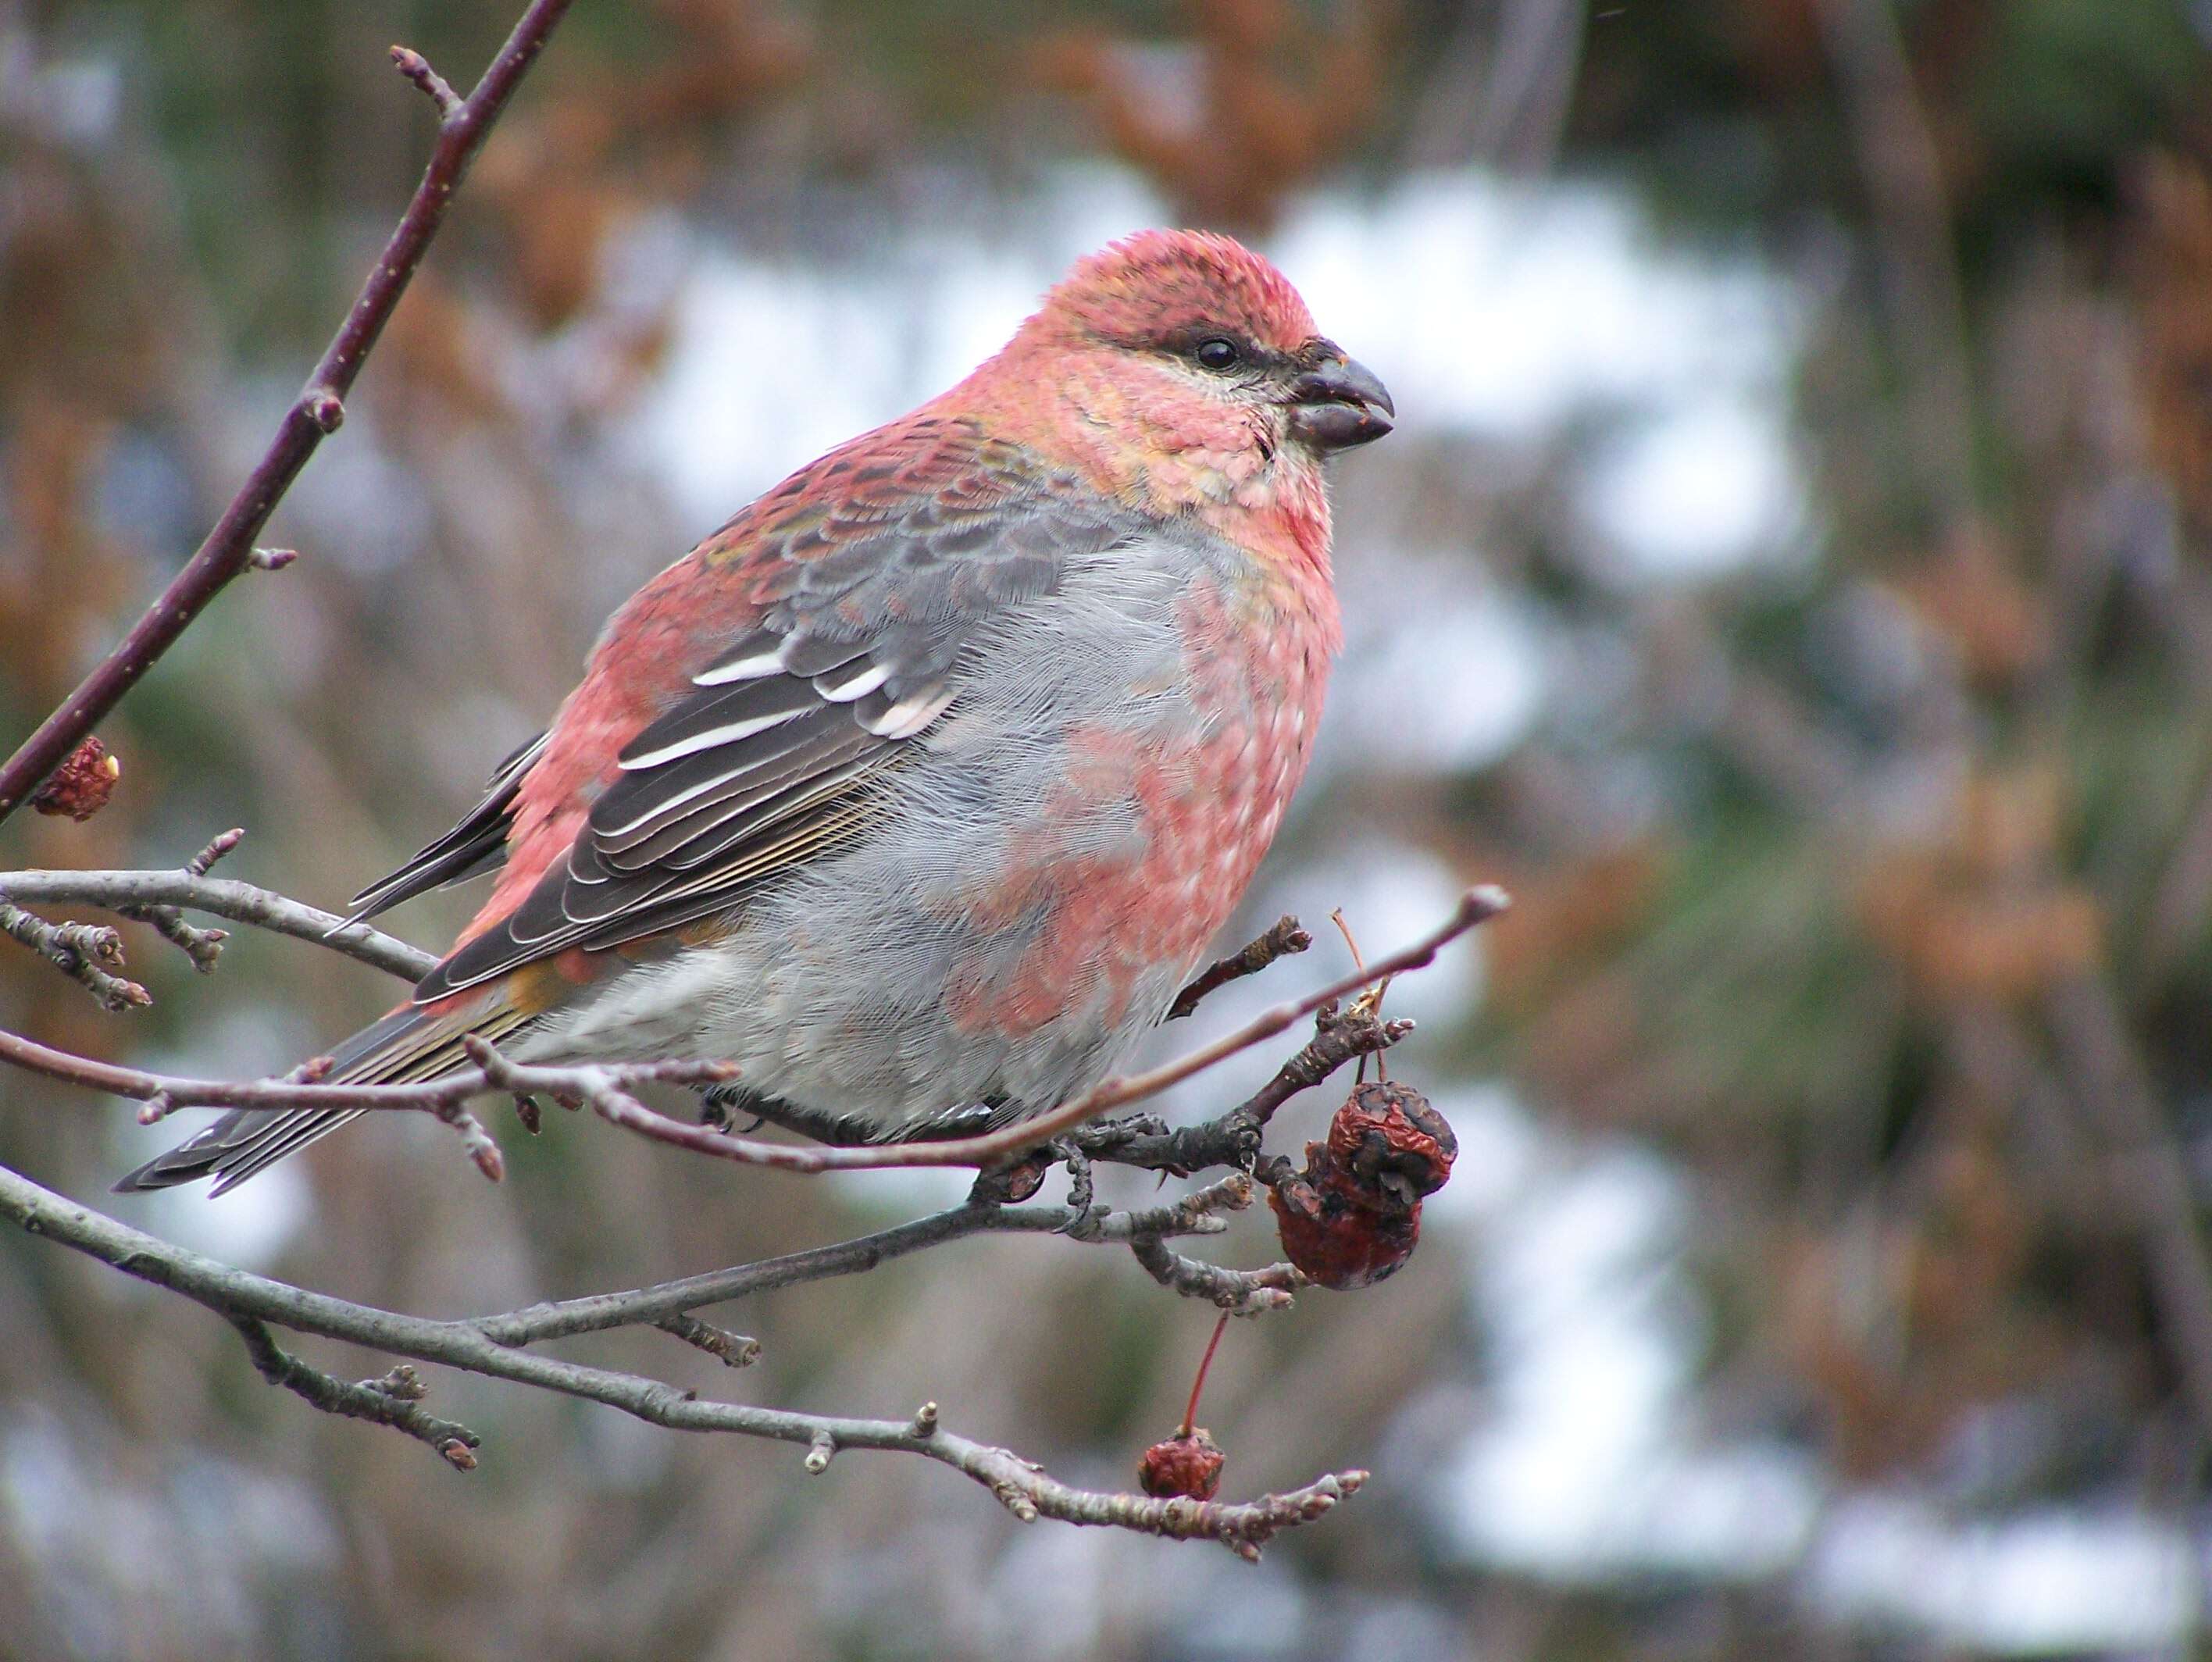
<point>406,1046</point>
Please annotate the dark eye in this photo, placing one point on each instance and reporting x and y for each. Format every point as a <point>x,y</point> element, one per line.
<point>1218,354</point>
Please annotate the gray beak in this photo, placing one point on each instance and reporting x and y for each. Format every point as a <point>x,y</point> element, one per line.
<point>1338,403</point>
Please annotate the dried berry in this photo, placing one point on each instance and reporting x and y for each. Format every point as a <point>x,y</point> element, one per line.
<point>1353,1215</point>
<point>1392,1142</point>
<point>1187,1464</point>
<point>81,786</point>
<point>1338,1245</point>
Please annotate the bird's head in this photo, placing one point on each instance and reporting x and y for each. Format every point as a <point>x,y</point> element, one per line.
<point>1202,362</point>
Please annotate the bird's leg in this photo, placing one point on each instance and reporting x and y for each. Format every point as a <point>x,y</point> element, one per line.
<point>720,1106</point>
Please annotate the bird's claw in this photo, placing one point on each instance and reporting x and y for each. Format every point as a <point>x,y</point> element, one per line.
<point>1083,1223</point>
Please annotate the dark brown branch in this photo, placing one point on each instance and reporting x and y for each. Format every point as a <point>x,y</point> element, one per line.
<point>1233,1138</point>
<point>1283,939</point>
<point>228,550</point>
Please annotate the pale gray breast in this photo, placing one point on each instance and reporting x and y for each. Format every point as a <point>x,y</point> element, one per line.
<point>1104,653</point>
<point>848,961</point>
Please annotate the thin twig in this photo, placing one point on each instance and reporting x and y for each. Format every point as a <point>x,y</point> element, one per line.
<point>88,954</point>
<point>203,946</point>
<point>730,1349</point>
<point>393,1400</point>
<point>316,412</point>
<point>1284,937</point>
<point>166,1093</point>
<point>417,68</point>
<point>1193,1213</point>
<point>1240,1292</point>
<point>1233,1138</point>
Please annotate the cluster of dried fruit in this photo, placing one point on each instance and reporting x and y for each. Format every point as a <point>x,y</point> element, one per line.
<point>1353,1215</point>
<point>1349,1219</point>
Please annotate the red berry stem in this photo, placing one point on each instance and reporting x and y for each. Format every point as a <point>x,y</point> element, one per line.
<point>1190,1414</point>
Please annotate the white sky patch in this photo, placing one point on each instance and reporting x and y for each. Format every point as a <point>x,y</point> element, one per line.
<point>1582,1470</point>
<point>908,1191</point>
<point>1705,488</point>
<point>1501,307</point>
<point>2039,1583</point>
<point>1500,1151</point>
<point>1440,674</point>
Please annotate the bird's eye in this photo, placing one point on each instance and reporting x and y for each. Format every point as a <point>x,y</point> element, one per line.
<point>1218,354</point>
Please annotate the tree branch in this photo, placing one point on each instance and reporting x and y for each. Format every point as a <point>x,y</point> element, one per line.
<point>228,551</point>
<point>1233,1138</point>
<point>244,1300</point>
<point>1240,1292</point>
<point>122,891</point>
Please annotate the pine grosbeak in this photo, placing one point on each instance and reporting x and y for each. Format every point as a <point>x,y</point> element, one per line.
<point>917,789</point>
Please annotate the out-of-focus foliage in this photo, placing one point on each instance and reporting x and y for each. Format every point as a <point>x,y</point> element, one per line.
<point>1864,879</point>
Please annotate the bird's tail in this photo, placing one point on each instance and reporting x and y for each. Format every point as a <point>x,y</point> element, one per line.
<point>412,1043</point>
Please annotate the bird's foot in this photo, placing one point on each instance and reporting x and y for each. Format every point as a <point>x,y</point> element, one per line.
<point>1083,1225</point>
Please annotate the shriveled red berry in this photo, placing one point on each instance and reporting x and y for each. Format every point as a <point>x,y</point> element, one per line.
<point>1353,1215</point>
<point>1188,1465</point>
<point>1339,1244</point>
<point>81,786</point>
<point>1390,1141</point>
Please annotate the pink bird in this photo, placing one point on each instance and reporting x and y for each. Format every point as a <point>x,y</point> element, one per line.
<point>917,789</point>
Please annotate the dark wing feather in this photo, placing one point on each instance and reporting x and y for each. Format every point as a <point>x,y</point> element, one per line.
<point>474,846</point>
<point>772,758</point>
<point>406,1044</point>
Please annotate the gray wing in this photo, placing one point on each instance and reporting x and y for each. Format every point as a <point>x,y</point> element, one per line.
<point>772,757</point>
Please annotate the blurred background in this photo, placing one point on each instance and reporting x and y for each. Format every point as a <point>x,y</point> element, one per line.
<point>1789,577</point>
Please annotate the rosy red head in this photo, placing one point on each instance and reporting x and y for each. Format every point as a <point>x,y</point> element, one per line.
<point>1190,343</point>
